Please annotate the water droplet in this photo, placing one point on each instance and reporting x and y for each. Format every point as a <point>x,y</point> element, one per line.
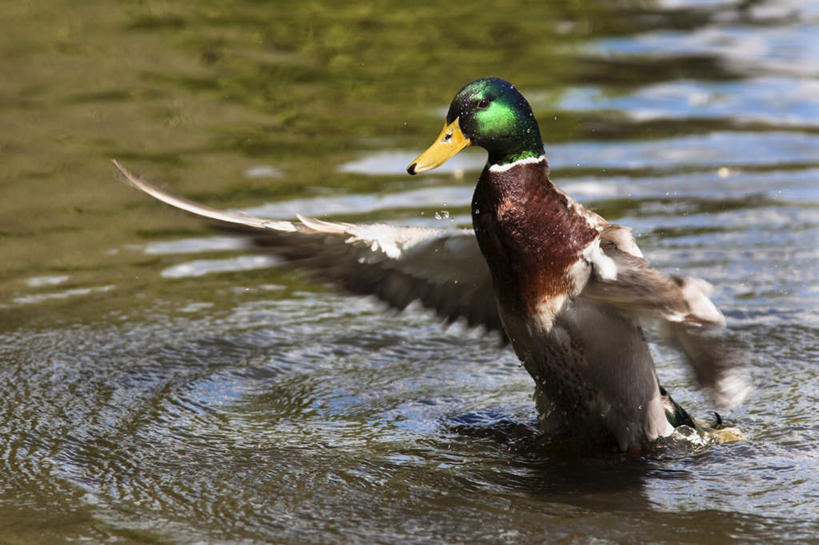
<point>442,215</point>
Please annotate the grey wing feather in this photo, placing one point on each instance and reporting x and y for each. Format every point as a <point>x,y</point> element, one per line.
<point>443,269</point>
<point>686,318</point>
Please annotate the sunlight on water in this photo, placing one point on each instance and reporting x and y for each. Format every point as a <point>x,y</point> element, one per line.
<point>713,150</point>
<point>207,266</point>
<point>786,49</point>
<point>775,100</point>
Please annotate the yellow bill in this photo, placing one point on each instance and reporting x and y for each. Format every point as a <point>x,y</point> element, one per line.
<point>449,142</point>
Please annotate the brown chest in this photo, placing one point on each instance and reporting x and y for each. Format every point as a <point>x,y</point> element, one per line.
<point>530,234</point>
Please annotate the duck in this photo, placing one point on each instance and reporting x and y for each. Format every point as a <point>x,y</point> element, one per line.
<point>571,293</point>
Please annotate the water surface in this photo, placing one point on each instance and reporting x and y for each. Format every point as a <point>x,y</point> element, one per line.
<point>164,383</point>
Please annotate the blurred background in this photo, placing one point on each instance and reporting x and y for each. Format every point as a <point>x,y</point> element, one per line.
<point>162,383</point>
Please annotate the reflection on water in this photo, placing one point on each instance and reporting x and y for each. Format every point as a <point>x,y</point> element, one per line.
<point>774,100</point>
<point>714,150</point>
<point>163,384</point>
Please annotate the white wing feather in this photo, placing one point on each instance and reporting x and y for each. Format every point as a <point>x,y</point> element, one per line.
<point>442,268</point>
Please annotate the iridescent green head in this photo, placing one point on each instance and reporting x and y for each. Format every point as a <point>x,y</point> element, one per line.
<point>489,113</point>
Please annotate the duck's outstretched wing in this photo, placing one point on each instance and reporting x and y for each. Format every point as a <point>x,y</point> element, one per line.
<point>686,318</point>
<point>441,268</point>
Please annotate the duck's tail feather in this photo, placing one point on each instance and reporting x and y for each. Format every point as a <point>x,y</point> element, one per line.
<point>676,415</point>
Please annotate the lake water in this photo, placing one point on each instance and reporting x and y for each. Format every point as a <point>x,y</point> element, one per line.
<point>164,383</point>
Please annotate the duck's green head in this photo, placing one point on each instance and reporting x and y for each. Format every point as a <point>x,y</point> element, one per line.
<point>489,113</point>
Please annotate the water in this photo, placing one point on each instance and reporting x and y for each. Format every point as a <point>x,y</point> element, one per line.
<point>163,383</point>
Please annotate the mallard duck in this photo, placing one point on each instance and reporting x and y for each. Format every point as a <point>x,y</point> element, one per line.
<point>569,290</point>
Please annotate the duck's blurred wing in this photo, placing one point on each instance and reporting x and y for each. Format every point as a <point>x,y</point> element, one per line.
<point>441,268</point>
<point>680,307</point>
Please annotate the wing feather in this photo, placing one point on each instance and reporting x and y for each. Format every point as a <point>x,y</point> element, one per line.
<point>680,307</point>
<point>441,268</point>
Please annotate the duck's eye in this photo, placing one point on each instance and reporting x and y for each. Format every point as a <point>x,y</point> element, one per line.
<point>483,104</point>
